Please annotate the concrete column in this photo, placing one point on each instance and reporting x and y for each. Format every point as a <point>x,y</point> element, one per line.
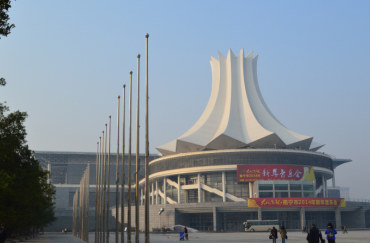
<point>141,196</point>
<point>323,186</point>
<point>165,189</point>
<point>361,218</point>
<point>250,184</point>
<point>338,218</point>
<point>179,190</point>
<point>223,187</point>
<point>333,179</point>
<point>302,214</point>
<point>49,175</point>
<point>152,193</point>
<point>199,190</point>
<point>156,193</point>
<point>259,213</point>
<point>214,219</point>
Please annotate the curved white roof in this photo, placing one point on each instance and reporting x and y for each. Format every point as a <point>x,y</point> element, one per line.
<point>236,115</point>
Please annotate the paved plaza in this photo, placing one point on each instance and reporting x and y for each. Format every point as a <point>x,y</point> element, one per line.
<point>293,237</point>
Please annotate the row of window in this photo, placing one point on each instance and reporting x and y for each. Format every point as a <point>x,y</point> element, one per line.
<point>240,190</point>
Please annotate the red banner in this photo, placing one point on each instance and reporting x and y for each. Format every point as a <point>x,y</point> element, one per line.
<point>248,173</point>
<point>296,202</point>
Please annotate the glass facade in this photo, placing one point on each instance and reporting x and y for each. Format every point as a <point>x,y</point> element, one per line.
<point>285,189</point>
<point>224,187</point>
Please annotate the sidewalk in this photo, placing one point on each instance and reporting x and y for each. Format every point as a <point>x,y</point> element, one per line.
<point>237,237</point>
<point>56,238</point>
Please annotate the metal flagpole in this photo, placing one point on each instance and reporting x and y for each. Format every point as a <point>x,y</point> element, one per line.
<point>96,191</point>
<point>123,167</point>
<point>105,183</point>
<point>146,146</point>
<point>117,170</point>
<point>99,193</point>
<point>108,178</point>
<point>101,189</point>
<point>137,155</point>
<point>129,168</point>
<point>87,194</point>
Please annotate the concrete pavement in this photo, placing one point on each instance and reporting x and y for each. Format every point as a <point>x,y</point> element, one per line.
<point>293,237</point>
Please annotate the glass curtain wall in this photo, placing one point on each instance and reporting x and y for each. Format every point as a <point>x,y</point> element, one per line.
<point>285,189</point>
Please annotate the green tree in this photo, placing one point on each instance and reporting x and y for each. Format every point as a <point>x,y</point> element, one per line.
<point>26,199</point>
<point>5,27</point>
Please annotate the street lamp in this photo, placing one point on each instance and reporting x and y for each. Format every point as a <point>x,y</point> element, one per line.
<point>161,210</point>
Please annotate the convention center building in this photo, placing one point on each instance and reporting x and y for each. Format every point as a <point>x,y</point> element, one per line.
<point>239,163</point>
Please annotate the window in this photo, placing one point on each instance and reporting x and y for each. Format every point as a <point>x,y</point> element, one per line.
<point>265,187</point>
<point>281,194</point>
<point>308,187</point>
<point>281,186</point>
<point>296,194</point>
<point>295,187</point>
<point>266,194</point>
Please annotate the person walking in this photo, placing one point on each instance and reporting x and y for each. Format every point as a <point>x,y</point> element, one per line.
<point>314,236</point>
<point>283,234</point>
<point>186,233</point>
<point>330,233</point>
<point>3,234</point>
<point>273,234</point>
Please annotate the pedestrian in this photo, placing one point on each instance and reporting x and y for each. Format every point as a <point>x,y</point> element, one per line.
<point>314,236</point>
<point>330,233</point>
<point>303,229</point>
<point>186,233</point>
<point>345,229</point>
<point>283,234</point>
<point>3,234</point>
<point>273,234</point>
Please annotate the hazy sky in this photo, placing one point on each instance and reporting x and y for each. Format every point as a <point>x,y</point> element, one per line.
<point>66,62</point>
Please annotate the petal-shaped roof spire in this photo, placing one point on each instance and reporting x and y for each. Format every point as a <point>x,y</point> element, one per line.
<point>236,115</point>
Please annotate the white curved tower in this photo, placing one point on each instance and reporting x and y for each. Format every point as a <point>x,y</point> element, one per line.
<point>236,115</point>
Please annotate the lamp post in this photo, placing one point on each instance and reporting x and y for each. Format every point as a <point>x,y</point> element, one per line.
<point>160,218</point>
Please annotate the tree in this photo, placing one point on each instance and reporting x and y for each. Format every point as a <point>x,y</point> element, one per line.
<point>2,82</point>
<point>5,27</point>
<point>26,197</point>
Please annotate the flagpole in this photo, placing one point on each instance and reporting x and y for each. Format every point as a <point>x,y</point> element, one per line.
<point>129,167</point>
<point>108,178</point>
<point>137,154</point>
<point>104,181</point>
<point>146,146</point>
<point>117,169</point>
<point>96,191</point>
<point>123,167</point>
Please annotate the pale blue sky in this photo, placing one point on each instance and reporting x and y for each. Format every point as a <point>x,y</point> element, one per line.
<point>66,62</point>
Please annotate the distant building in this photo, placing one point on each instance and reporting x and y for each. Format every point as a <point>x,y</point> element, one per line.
<point>66,169</point>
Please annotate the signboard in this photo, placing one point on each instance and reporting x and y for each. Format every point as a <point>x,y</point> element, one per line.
<point>296,202</point>
<point>250,173</point>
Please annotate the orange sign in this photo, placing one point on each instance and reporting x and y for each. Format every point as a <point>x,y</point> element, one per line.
<point>296,202</point>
